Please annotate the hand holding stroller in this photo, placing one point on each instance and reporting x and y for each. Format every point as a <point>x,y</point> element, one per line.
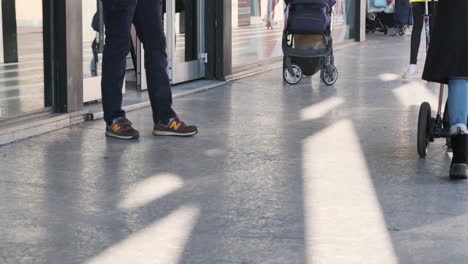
<point>310,18</point>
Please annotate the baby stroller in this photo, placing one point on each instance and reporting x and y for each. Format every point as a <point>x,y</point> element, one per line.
<point>380,22</point>
<point>307,41</point>
<point>393,19</point>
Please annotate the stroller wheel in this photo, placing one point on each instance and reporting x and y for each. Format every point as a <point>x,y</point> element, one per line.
<point>401,31</point>
<point>292,78</point>
<point>329,74</point>
<point>392,31</point>
<point>424,127</point>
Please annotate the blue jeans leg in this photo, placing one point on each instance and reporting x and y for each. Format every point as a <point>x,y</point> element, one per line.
<point>118,16</point>
<point>458,104</point>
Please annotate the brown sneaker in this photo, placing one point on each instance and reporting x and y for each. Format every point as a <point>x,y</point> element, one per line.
<point>122,129</point>
<point>175,127</point>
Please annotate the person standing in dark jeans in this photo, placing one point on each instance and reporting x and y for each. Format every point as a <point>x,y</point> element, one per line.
<point>146,16</point>
<point>447,63</point>
<point>419,9</point>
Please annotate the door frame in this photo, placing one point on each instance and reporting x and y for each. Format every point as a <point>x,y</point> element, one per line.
<point>191,70</point>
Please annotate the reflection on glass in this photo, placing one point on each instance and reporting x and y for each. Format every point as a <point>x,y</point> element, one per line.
<point>21,58</point>
<point>186,29</point>
<point>257,30</point>
<point>93,37</point>
<point>344,14</point>
<point>258,25</point>
<point>93,47</point>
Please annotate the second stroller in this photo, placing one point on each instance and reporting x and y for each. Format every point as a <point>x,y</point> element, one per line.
<point>308,21</point>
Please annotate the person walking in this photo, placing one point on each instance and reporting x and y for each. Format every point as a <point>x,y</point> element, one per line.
<point>419,10</point>
<point>447,63</point>
<point>146,16</point>
<point>270,14</point>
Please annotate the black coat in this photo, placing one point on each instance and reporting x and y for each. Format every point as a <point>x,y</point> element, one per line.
<point>448,52</point>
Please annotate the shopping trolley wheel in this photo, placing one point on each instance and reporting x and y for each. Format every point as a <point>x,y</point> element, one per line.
<point>424,127</point>
<point>392,31</point>
<point>292,78</point>
<point>401,31</point>
<point>329,74</point>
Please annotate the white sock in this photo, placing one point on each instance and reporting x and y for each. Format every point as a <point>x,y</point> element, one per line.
<point>455,129</point>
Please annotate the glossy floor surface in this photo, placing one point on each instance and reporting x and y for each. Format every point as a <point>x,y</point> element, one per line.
<point>278,174</point>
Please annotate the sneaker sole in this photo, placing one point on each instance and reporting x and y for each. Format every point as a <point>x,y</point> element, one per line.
<point>122,137</point>
<point>168,133</point>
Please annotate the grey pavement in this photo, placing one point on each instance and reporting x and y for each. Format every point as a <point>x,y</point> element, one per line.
<point>278,174</point>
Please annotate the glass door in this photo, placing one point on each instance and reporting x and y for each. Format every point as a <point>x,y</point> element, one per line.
<point>185,39</point>
<point>21,58</point>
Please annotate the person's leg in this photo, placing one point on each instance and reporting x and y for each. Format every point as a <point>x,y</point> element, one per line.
<point>458,105</point>
<point>118,18</point>
<point>458,113</point>
<point>418,19</point>
<point>148,24</point>
<point>418,22</point>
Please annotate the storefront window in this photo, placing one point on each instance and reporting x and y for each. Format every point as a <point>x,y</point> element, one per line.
<point>21,57</point>
<point>344,16</point>
<point>93,38</point>
<point>258,25</point>
<point>257,30</point>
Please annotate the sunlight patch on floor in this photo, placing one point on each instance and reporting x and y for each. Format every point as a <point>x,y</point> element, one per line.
<point>150,189</point>
<point>319,110</point>
<point>162,242</point>
<point>344,222</point>
<point>387,77</point>
<point>414,93</point>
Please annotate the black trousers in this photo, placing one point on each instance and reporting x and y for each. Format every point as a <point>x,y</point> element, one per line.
<point>418,23</point>
<point>147,18</point>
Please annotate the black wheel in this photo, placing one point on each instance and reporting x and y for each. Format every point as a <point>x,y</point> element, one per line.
<point>292,78</point>
<point>385,31</point>
<point>373,31</point>
<point>392,31</point>
<point>329,74</point>
<point>424,127</point>
<point>401,31</point>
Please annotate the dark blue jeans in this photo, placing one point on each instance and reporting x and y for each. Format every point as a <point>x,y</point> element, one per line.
<point>147,18</point>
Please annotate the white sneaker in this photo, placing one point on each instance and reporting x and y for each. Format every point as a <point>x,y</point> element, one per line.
<point>411,72</point>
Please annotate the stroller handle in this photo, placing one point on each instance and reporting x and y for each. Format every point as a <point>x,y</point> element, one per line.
<point>321,3</point>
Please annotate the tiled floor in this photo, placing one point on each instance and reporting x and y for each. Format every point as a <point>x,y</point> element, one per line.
<point>278,174</point>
